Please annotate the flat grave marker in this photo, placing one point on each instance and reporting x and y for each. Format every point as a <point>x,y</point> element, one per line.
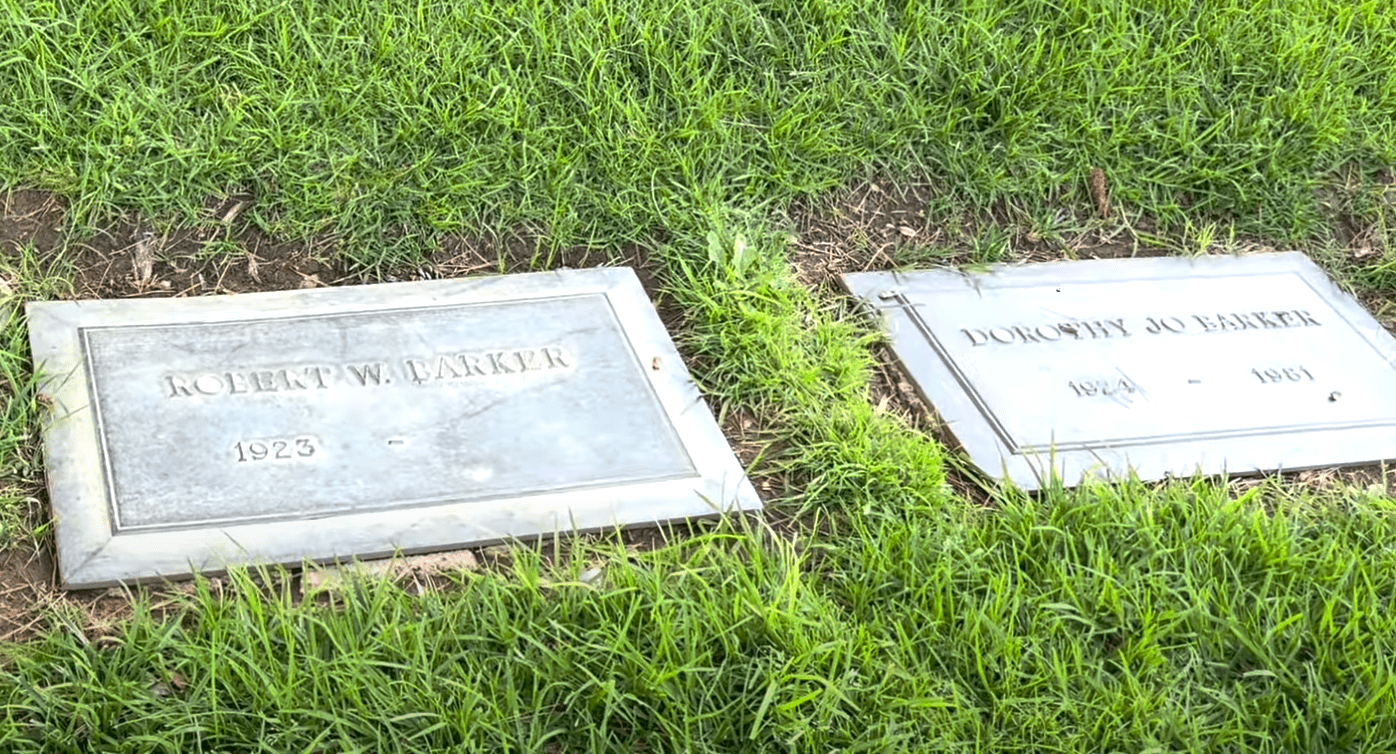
<point>1167,366</point>
<point>192,434</point>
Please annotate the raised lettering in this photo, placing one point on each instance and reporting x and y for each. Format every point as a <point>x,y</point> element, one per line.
<point>319,374</point>
<point>420,371</point>
<point>1225,322</point>
<point>374,372</point>
<point>1006,337</point>
<point>208,384</point>
<point>976,337</point>
<point>1159,324</point>
<point>237,383</point>
<point>444,370</point>
<point>555,356</point>
<point>497,363</point>
<point>178,386</point>
<point>471,362</point>
<point>1096,329</point>
<point>416,370</point>
<point>1025,334</point>
<point>1245,320</point>
<point>292,381</point>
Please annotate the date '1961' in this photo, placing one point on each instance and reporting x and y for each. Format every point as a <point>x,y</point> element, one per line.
<point>1283,374</point>
<point>276,449</point>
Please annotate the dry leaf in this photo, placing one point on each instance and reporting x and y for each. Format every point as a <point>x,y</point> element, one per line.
<point>234,212</point>
<point>1100,191</point>
<point>411,569</point>
<point>144,264</point>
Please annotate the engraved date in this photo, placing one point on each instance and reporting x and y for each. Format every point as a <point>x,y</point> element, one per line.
<point>1276,375</point>
<point>276,449</point>
<point>1094,388</point>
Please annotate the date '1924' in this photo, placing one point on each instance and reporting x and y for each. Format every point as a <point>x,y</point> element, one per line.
<point>1094,388</point>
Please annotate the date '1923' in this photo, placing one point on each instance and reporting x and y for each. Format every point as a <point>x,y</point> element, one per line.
<point>287,449</point>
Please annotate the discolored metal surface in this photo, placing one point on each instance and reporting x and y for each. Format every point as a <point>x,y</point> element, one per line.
<point>191,434</point>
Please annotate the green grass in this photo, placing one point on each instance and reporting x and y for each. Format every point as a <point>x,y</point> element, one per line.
<point>602,121</point>
<point>892,614</point>
<point>1113,619</point>
<point>23,277</point>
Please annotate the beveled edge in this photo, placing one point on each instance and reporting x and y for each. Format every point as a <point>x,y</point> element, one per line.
<point>1032,472</point>
<point>89,556</point>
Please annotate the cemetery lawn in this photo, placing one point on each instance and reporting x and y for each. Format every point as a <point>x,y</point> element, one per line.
<point>740,154</point>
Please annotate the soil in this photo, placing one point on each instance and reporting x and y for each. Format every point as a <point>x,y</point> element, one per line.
<point>879,225</point>
<point>871,225</point>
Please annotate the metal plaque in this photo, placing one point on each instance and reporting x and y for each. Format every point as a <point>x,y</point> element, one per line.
<point>192,434</point>
<point>1163,366</point>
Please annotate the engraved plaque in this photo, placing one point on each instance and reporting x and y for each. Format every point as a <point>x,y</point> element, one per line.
<point>1168,366</point>
<point>190,434</point>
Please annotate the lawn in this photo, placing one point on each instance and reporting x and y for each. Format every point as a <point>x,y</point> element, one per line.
<point>740,153</point>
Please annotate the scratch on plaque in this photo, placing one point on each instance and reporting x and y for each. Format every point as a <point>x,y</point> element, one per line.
<point>1139,388</point>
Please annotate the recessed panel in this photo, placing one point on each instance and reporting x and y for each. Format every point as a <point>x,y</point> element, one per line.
<point>194,433</point>
<point>1160,366</point>
<point>282,417</point>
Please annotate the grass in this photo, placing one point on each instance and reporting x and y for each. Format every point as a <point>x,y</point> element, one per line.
<point>384,119</point>
<point>1112,619</point>
<point>23,277</point>
<point>892,614</point>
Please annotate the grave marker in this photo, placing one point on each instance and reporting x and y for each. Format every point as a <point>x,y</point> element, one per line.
<point>190,434</point>
<point>1168,366</point>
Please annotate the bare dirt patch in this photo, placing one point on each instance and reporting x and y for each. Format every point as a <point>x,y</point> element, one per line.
<point>858,229</point>
<point>26,574</point>
<point>30,218</point>
<point>879,224</point>
<point>224,253</point>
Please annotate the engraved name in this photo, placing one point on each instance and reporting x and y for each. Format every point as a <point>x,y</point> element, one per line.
<point>1098,329</point>
<point>449,367</point>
